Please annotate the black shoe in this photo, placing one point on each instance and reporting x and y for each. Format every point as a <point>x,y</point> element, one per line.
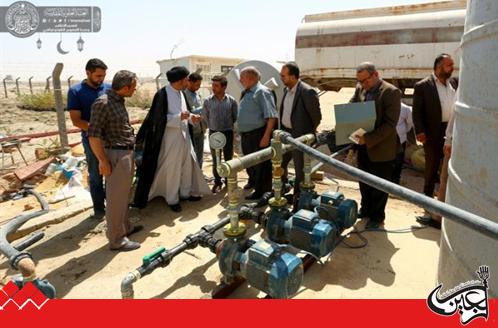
<point>194,198</point>
<point>127,246</point>
<point>427,221</point>
<point>135,229</point>
<point>362,214</point>
<point>248,186</point>
<point>216,188</point>
<point>176,207</point>
<point>98,215</point>
<point>253,196</point>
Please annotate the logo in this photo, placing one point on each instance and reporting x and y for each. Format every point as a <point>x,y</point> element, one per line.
<point>12,296</point>
<point>22,19</point>
<point>469,299</point>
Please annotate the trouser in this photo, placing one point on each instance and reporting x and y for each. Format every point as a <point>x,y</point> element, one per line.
<point>96,181</point>
<point>198,144</point>
<point>298,159</point>
<point>441,195</point>
<point>227,153</point>
<point>118,186</point>
<point>259,175</point>
<point>398,164</point>
<point>433,150</point>
<point>374,201</point>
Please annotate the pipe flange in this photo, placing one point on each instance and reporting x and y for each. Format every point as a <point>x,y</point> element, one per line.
<point>279,203</point>
<point>223,169</point>
<point>14,260</point>
<point>307,186</point>
<point>231,232</point>
<point>277,172</point>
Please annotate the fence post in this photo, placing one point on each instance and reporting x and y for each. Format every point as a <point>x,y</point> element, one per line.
<point>59,105</point>
<point>69,82</point>
<point>17,86</point>
<point>31,84</point>
<point>157,81</point>
<point>47,85</point>
<point>5,87</point>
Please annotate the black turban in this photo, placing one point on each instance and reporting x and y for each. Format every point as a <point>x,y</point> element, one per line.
<point>177,73</point>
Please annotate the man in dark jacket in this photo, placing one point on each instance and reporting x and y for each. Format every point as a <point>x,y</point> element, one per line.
<point>433,104</point>
<point>378,148</point>
<point>299,115</point>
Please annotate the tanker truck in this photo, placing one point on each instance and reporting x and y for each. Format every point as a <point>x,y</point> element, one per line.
<point>402,41</point>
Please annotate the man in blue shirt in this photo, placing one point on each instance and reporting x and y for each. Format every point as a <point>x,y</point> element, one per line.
<point>256,121</point>
<point>80,98</point>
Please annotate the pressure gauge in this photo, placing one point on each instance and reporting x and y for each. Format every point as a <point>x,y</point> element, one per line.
<point>217,140</point>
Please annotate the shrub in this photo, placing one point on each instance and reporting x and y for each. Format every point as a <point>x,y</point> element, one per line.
<point>43,101</point>
<point>140,99</point>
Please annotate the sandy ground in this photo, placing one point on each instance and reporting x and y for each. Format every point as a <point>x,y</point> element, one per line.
<point>74,255</point>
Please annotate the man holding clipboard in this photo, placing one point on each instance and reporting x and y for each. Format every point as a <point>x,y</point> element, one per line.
<point>377,149</point>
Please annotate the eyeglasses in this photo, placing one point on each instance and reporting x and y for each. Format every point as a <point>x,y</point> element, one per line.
<point>364,80</point>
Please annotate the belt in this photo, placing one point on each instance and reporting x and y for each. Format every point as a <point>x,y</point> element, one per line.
<point>255,131</point>
<point>120,147</point>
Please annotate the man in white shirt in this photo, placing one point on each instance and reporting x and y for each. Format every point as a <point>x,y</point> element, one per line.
<point>405,124</point>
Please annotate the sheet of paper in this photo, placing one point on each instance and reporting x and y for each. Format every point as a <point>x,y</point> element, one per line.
<point>355,136</point>
<point>351,117</point>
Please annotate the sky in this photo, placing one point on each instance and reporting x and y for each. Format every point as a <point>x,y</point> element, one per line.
<point>135,34</point>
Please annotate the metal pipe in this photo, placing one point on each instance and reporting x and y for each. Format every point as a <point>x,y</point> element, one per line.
<point>17,86</point>
<point>235,229</point>
<point>163,257</point>
<point>18,259</point>
<point>485,226</point>
<point>33,239</point>
<point>47,84</point>
<point>241,163</point>
<point>158,86</point>
<point>307,170</point>
<point>59,106</point>
<point>51,133</point>
<point>30,84</point>
<point>277,171</point>
<point>320,164</point>
<point>5,87</point>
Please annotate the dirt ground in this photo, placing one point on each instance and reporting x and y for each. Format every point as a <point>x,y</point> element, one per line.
<point>75,258</point>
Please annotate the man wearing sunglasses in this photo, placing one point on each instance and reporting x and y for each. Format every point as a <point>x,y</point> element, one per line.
<point>378,148</point>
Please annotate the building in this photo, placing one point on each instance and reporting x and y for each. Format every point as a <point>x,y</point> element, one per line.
<point>206,65</point>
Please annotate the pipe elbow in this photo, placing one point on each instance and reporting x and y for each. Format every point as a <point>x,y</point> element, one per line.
<point>127,285</point>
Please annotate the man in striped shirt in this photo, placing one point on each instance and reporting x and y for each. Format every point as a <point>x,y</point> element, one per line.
<point>220,113</point>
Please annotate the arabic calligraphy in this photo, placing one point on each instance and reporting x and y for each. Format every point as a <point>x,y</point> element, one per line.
<point>470,299</point>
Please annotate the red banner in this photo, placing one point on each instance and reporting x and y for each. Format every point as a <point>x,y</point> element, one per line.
<point>235,313</point>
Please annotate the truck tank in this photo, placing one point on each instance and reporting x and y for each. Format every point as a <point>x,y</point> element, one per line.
<point>402,41</point>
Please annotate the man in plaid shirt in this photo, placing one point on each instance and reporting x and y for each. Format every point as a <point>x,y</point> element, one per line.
<point>112,140</point>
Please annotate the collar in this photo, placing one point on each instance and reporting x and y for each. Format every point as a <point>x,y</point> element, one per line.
<point>294,88</point>
<point>169,87</point>
<point>376,87</point>
<point>224,97</point>
<point>100,87</point>
<point>113,95</point>
<point>255,87</point>
<point>436,80</point>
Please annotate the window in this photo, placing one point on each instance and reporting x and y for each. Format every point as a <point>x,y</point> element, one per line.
<point>205,68</point>
<point>226,68</point>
